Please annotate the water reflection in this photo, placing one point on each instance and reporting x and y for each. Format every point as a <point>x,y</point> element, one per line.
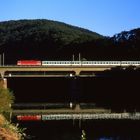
<point>115,138</point>
<point>104,138</point>
<point>93,130</point>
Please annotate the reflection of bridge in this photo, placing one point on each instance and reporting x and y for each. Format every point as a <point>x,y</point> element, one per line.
<point>76,113</point>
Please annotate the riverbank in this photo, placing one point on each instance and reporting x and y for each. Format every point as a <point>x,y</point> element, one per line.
<point>9,131</point>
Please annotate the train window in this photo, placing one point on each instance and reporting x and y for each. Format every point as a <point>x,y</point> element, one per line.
<point>83,62</point>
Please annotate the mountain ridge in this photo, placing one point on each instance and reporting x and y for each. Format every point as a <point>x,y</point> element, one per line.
<point>52,40</point>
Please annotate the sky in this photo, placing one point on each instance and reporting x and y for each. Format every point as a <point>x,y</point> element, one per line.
<point>106,17</point>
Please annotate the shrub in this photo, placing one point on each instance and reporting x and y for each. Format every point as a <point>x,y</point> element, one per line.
<point>6,99</point>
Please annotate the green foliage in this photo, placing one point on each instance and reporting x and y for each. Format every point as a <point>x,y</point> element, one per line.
<point>42,39</point>
<point>52,40</point>
<point>38,31</point>
<point>6,99</point>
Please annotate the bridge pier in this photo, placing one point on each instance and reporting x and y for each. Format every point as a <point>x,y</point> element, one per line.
<point>77,72</point>
<point>3,83</point>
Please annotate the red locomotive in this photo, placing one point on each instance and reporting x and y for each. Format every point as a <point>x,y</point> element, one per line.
<point>29,63</point>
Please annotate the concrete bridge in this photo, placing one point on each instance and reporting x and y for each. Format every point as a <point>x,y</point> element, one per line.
<point>46,71</point>
<point>6,71</point>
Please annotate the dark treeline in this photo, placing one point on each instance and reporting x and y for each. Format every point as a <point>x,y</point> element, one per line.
<point>51,40</point>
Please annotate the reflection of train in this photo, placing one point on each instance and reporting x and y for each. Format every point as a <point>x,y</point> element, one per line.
<point>77,63</point>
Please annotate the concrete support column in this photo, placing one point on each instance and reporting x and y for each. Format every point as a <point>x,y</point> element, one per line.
<point>77,72</point>
<point>3,83</point>
<point>2,74</point>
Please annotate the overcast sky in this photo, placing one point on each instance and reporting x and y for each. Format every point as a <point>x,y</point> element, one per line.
<point>106,17</point>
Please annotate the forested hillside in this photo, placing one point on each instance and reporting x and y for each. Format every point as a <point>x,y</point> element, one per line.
<point>52,40</point>
<point>41,39</point>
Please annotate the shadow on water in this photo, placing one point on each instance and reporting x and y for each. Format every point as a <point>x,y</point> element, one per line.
<point>51,130</point>
<point>118,93</point>
<point>94,130</point>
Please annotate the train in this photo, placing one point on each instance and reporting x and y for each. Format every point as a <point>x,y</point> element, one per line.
<point>76,63</point>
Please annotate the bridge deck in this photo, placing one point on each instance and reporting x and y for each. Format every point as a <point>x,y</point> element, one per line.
<point>76,69</point>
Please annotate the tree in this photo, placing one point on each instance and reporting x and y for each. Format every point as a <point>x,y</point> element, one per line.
<point>6,99</point>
